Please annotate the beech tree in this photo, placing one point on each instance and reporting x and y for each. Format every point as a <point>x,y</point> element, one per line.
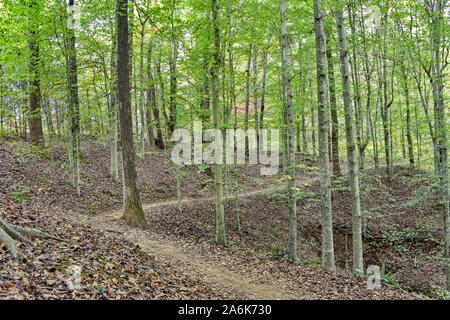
<point>328,262</point>
<point>220,214</point>
<point>435,11</point>
<point>353,170</point>
<point>292,245</point>
<point>36,134</point>
<point>73,103</point>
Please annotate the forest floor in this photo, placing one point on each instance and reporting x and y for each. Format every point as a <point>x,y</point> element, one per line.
<point>178,259</point>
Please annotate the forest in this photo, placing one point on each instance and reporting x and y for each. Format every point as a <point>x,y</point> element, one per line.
<point>224,150</point>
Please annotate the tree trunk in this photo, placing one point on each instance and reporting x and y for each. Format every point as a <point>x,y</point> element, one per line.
<point>353,170</point>
<point>386,105</point>
<point>247,97</point>
<point>255,91</point>
<point>357,96</point>
<point>408,119</point>
<point>74,105</point>
<point>162,93</point>
<point>49,119</point>
<point>436,12</point>
<point>292,244</point>
<point>220,214</point>
<point>326,211</point>
<point>333,111</point>
<point>36,133</point>
<point>142,107</point>
<point>263,90</point>
<point>206,102</point>
<point>112,114</point>
<point>132,206</point>
<point>173,80</point>
<point>151,99</point>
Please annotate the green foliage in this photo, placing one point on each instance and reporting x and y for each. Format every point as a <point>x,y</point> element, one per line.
<point>202,168</point>
<point>388,279</point>
<point>278,251</point>
<point>109,193</point>
<point>277,233</point>
<point>426,190</point>
<point>26,152</point>
<point>314,245</point>
<point>208,184</point>
<point>20,194</point>
<point>437,291</point>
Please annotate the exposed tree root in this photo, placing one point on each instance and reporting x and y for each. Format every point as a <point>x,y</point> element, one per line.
<point>9,234</point>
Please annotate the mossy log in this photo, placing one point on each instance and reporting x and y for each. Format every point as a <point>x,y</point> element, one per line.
<point>9,234</point>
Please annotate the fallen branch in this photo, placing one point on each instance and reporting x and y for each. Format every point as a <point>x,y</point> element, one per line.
<point>9,234</point>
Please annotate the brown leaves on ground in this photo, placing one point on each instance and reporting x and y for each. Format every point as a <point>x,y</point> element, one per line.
<point>34,192</point>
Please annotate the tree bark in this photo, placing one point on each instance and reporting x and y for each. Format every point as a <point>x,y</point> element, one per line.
<point>151,99</point>
<point>408,119</point>
<point>328,262</point>
<point>353,170</point>
<point>435,11</point>
<point>132,207</point>
<point>247,97</point>
<point>333,110</point>
<point>255,91</point>
<point>113,115</point>
<point>74,105</point>
<point>292,243</point>
<point>36,133</point>
<point>220,214</point>
<point>386,104</point>
<point>173,77</point>
<point>143,108</point>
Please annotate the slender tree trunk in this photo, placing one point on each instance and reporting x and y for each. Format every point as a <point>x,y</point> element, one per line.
<point>326,210</point>
<point>173,79</point>
<point>59,130</point>
<point>303,109</point>
<point>247,97</point>
<point>263,90</point>
<point>206,103</point>
<point>313,122</point>
<point>333,111</point>
<point>386,104</point>
<point>74,105</point>
<point>353,170</point>
<point>151,99</point>
<point>232,82</point>
<point>36,133</point>
<point>313,113</point>
<point>292,244</point>
<point>142,107</point>
<point>255,91</point>
<point>162,93</point>
<point>220,214</point>
<point>49,119</point>
<point>357,95</point>
<point>408,120</point>
<point>113,115</point>
<point>132,207</point>
<point>436,10</point>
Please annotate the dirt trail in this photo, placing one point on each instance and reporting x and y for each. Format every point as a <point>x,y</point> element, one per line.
<point>213,198</point>
<point>215,269</point>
